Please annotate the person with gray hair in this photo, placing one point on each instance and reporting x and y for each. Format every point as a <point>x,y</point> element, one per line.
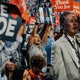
<point>65,55</point>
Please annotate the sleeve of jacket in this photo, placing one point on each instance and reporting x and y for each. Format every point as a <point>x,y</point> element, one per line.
<point>58,63</point>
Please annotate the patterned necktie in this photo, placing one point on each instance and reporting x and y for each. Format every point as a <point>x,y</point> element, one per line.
<point>76,50</point>
<point>74,43</point>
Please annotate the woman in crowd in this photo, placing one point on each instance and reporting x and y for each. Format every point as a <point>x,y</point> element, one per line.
<point>21,74</point>
<point>37,63</point>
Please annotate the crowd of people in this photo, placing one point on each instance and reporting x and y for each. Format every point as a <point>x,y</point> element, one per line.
<point>48,55</point>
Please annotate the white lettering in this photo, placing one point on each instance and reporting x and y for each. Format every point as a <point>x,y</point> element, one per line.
<point>4,11</point>
<point>58,2</point>
<point>76,7</point>
<point>7,27</point>
<point>41,15</point>
<point>11,27</point>
<point>58,7</point>
<point>66,6</point>
<point>4,21</point>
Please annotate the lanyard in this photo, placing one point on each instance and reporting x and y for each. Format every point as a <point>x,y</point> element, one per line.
<point>76,50</point>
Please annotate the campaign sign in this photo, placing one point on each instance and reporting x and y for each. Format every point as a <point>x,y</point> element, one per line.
<point>62,5</point>
<point>76,7</point>
<point>45,15</point>
<point>10,21</point>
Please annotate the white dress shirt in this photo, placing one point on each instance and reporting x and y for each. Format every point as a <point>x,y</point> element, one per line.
<point>73,50</point>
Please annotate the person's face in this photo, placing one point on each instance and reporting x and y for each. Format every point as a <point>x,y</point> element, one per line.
<point>37,39</point>
<point>37,70</point>
<point>71,23</point>
<point>10,67</point>
<point>26,75</point>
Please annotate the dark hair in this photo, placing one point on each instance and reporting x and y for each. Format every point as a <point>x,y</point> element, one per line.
<point>62,21</point>
<point>38,61</point>
<point>18,74</point>
<point>23,21</point>
<point>62,17</point>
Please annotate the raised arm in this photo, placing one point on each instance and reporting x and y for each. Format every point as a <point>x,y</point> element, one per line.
<point>46,33</point>
<point>34,30</point>
<point>31,39</point>
<point>22,29</point>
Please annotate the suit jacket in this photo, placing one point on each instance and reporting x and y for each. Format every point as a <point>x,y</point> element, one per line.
<point>63,60</point>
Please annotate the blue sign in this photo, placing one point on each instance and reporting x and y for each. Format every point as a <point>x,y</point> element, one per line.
<point>10,21</point>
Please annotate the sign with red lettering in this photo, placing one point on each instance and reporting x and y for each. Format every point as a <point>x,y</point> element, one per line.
<point>62,5</point>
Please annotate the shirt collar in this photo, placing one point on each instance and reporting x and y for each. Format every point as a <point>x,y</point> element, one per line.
<point>71,38</point>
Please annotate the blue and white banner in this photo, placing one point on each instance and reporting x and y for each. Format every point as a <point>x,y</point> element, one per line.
<point>45,15</point>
